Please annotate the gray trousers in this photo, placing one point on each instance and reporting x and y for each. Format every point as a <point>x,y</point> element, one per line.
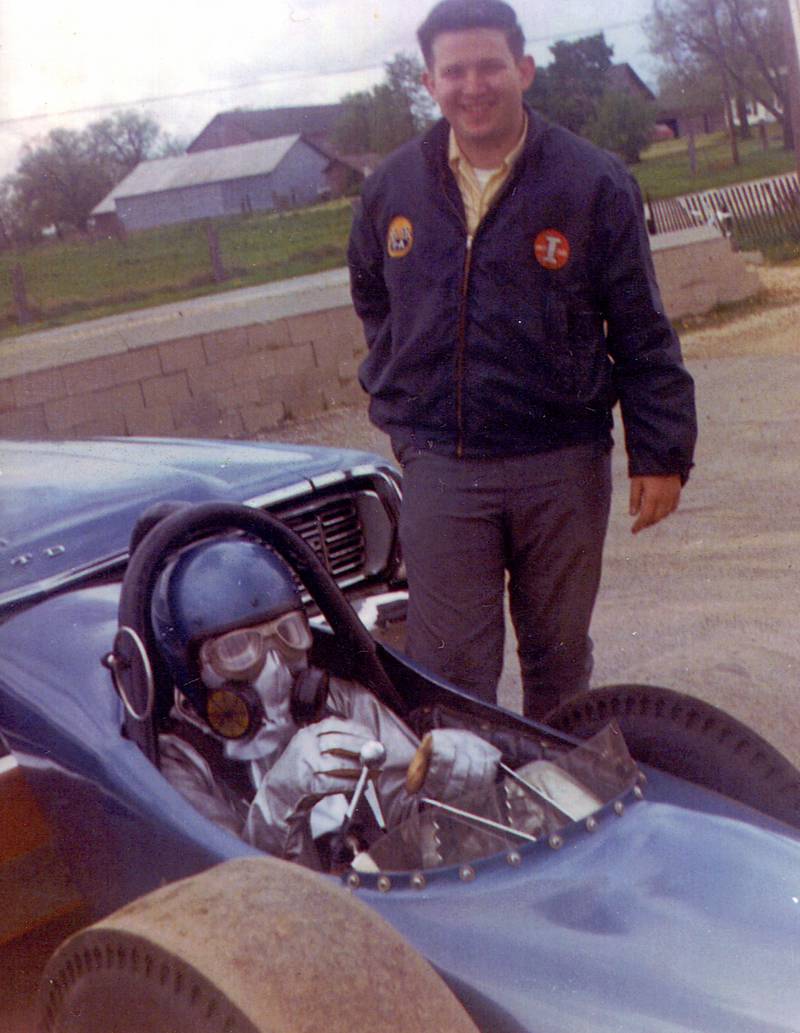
<point>464,525</point>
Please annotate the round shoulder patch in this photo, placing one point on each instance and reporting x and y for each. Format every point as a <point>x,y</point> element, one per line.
<point>551,248</point>
<point>400,238</point>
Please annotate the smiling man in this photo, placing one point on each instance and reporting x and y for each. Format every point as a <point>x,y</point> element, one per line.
<point>502,271</point>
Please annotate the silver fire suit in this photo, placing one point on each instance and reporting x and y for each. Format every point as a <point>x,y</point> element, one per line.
<point>293,770</point>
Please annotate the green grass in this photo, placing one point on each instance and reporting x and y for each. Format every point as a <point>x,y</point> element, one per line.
<point>664,170</point>
<point>71,282</point>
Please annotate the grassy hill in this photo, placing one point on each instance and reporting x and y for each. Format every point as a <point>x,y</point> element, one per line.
<point>68,282</point>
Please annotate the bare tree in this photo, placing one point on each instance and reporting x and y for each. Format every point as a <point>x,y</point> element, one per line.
<point>121,141</point>
<point>169,146</point>
<point>742,41</point>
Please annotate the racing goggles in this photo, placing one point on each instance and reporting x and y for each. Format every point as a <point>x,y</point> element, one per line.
<point>239,655</point>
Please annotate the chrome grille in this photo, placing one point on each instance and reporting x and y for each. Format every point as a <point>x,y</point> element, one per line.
<point>331,526</point>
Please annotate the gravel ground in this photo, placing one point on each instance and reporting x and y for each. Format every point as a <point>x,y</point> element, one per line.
<point>706,602</point>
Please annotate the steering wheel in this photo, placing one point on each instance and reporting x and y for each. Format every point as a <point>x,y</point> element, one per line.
<point>135,661</point>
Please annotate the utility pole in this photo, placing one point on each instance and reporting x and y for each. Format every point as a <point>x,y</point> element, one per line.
<point>793,55</point>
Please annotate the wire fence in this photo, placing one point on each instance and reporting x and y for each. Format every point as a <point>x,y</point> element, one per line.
<point>762,213</point>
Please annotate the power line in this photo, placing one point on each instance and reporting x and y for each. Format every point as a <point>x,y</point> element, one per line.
<point>277,78</point>
<point>580,33</point>
<point>232,88</point>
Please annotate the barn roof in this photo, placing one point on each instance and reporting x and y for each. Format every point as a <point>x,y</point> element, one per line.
<point>317,120</point>
<point>186,170</point>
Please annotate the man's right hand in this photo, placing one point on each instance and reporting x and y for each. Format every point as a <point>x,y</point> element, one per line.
<point>652,499</point>
<point>322,759</point>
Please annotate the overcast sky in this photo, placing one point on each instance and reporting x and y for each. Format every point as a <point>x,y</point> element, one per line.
<point>182,61</point>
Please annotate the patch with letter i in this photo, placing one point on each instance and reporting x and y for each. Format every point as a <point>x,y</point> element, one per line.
<point>551,248</point>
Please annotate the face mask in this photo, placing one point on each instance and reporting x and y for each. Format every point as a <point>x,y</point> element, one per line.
<point>273,687</point>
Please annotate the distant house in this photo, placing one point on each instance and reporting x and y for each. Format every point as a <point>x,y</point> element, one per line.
<point>754,111</point>
<point>671,121</point>
<point>258,176</point>
<point>316,123</point>
<point>623,79</point>
<point>347,171</point>
<point>693,118</point>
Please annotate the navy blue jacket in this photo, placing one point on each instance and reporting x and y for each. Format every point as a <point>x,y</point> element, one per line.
<point>523,339</point>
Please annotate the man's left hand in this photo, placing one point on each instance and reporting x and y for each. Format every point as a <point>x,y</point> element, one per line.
<point>653,498</point>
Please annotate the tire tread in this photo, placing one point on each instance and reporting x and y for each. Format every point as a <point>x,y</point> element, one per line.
<point>692,739</point>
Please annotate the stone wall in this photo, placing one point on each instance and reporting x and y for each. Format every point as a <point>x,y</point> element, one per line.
<point>226,383</point>
<point>698,270</point>
<point>239,365</point>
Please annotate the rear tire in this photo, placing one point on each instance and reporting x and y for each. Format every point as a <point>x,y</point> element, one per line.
<point>112,981</point>
<point>255,945</point>
<point>689,738</point>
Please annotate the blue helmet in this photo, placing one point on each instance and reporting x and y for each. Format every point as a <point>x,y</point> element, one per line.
<point>211,588</point>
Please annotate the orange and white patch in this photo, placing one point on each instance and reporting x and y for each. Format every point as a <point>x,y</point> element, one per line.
<point>551,248</point>
<point>400,238</point>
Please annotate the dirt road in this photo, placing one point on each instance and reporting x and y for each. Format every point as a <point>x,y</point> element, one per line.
<point>707,602</point>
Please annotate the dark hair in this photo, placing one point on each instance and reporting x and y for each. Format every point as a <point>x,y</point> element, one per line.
<point>457,15</point>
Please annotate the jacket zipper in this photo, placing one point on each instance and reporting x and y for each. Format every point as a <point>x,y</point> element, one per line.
<point>462,314</point>
<point>461,350</point>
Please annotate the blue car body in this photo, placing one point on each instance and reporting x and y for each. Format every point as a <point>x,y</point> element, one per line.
<point>672,910</point>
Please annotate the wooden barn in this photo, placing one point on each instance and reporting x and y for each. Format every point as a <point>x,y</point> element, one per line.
<point>284,172</point>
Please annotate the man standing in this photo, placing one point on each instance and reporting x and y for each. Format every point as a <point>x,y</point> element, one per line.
<point>502,271</point>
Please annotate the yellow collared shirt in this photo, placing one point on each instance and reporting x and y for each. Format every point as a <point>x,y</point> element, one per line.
<point>479,196</point>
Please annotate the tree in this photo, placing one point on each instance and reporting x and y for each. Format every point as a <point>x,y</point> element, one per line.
<point>404,76</point>
<point>622,123</point>
<point>741,41</point>
<point>169,146</point>
<point>692,87</point>
<point>392,112</point>
<point>121,141</point>
<point>10,228</point>
<point>60,179</point>
<point>375,121</point>
<point>568,90</point>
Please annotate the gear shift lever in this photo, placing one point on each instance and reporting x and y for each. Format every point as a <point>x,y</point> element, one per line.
<point>345,845</point>
<point>371,757</point>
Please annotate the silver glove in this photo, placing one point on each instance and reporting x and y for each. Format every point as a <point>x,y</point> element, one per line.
<point>321,760</point>
<point>461,764</point>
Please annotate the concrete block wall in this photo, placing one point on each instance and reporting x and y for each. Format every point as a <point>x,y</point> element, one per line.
<point>234,382</point>
<point>698,270</point>
<point>239,365</point>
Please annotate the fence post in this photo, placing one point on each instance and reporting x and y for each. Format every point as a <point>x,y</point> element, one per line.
<point>20,295</point>
<point>762,135</point>
<point>692,153</point>
<point>217,268</point>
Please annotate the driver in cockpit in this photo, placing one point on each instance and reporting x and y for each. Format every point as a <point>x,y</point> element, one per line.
<point>234,637</point>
